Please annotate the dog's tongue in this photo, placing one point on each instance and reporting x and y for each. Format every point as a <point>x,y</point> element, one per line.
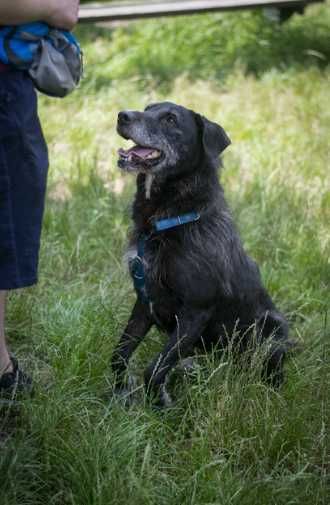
<point>139,151</point>
<point>142,152</point>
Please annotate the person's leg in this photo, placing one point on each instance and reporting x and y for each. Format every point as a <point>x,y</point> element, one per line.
<point>13,380</point>
<point>5,362</point>
<point>23,176</point>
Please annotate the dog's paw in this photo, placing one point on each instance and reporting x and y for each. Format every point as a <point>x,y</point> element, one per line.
<point>187,365</point>
<point>127,394</point>
<point>164,400</point>
<point>122,393</point>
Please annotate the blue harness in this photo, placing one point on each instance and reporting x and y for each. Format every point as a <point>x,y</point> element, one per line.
<point>136,265</point>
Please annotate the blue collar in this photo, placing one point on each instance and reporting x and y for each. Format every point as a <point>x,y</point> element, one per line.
<point>172,222</point>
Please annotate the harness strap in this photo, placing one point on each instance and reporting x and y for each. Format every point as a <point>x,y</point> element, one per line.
<point>136,264</point>
<point>137,270</point>
<point>12,58</point>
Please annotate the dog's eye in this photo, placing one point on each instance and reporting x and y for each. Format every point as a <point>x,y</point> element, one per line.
<point>170,119</point>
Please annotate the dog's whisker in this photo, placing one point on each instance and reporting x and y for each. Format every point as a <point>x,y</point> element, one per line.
<point>148,184</point>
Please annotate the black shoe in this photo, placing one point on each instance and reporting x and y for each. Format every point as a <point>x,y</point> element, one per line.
<point>14,384</point>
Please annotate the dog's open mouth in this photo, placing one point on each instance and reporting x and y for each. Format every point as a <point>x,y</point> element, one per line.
<point>138,158</point>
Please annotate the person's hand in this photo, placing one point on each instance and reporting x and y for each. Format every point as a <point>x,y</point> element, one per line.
<point>62,13</point>
<point>57,13</point>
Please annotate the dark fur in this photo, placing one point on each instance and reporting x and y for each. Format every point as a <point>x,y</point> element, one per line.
<point>205,289</point>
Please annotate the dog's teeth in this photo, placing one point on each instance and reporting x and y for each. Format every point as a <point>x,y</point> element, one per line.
<point>153,155</point>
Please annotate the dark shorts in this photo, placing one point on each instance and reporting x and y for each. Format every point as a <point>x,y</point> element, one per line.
<point>23,177</point>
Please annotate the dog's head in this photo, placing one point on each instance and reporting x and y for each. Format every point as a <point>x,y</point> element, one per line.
<point>168,138</point>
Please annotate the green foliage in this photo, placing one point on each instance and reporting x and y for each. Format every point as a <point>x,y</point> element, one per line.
<point>229,440</point>
<point>210,45</point>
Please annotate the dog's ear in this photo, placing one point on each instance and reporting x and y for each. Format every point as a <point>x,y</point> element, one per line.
<point>150,106</point>
<point>214,138</point>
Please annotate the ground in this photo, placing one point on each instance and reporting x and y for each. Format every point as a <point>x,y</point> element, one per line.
<point>228,439</point>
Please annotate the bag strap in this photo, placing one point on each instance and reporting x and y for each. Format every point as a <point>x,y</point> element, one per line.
<point>12,58</point>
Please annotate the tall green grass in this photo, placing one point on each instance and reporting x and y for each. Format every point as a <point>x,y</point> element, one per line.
<point>228,440</point>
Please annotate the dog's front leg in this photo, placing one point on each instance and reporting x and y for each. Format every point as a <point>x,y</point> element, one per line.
<point>190,326</point>
<point>137,327</point>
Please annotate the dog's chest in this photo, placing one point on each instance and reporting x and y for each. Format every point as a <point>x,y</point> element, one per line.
<point>138,268</point>
<point>130,254</point>
<point>135,253</point>
<point>144,267</point>
<point>148,278</point>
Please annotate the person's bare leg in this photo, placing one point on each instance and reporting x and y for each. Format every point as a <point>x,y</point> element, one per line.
<point>5,363</point>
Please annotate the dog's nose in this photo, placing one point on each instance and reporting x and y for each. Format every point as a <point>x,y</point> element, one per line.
<point>125,117</point>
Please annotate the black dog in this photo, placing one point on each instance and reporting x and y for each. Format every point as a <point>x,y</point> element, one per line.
<point>192,276</point>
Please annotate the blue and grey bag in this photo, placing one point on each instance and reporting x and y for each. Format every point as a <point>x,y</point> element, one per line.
<point>52,57</point>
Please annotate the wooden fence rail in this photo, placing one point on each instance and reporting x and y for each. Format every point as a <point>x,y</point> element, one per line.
<point>124,11</point>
